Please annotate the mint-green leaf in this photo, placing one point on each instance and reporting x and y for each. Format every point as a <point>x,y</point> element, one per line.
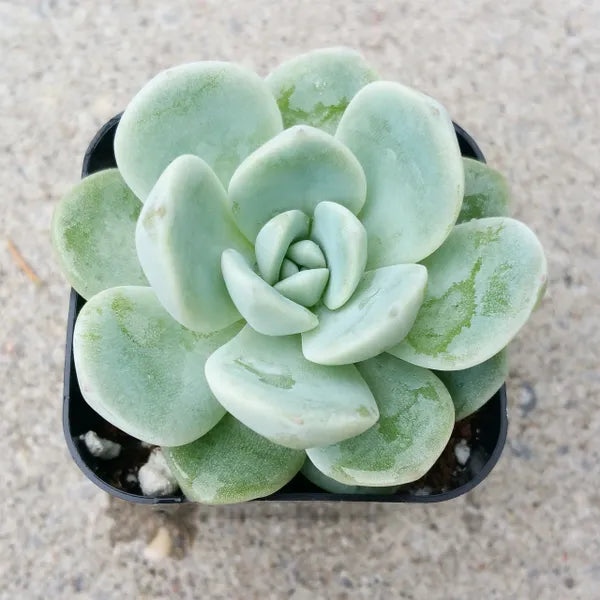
<point>232,464</point>
<point>305,287</point>
<point>218,111</point>
<point>472,388</point>
<point>486,192</point>
<point>379,314</point>
<point>93,233</point>
<point>415,423</point>
<point>268,385</point>
<point>483,284</point>
<point>266,310</point>
<point>274,239</point>
<point>141,370</point>
<point>406,144</point>
<point>184,227</point>
<point>335,487</point>
<point>299,168</point>
<point>315,88</point>
<point>343,240</point>
<point>307,254</point>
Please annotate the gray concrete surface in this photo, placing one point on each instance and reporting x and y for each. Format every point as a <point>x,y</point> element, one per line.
<point>524,79</point>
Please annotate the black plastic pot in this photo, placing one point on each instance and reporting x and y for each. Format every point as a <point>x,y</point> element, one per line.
<point>488,426</point>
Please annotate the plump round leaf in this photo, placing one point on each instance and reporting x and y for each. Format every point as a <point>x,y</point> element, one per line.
<point>305,287</point>
<point>232,464</point>
<point>274,239</point>
<point>335,487</point>
<point>218,111</point>
<point>472,388</point>
<point>379,314</point>
<point>141,370</point>
<point>483,284</point>
<point>268,385</point>
<point>266,310</point>
<point>184,227</point>
<point>343,240</point>
<point>486,192</point>
<point>288,268</point>
<point>315,88</point>
<point>299,168</point>
<point>93,233</point>
<point>406,144</point>
<point>307,254</point>
<point>415,423</point>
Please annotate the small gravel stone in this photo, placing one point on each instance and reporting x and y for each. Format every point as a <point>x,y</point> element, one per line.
<point>100,447</point>
<point>160,546</point>
<point>155,477</point>
<point>462,452</point>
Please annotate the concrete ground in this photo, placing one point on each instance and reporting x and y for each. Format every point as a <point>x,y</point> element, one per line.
<point>524,79</point>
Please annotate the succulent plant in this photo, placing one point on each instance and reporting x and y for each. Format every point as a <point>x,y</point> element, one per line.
<point>302,265</point>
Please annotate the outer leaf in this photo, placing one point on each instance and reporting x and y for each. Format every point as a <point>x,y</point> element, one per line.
<point>472,388</point>
<point>183,229</point>
<point>231,464</point>
<point>218,111</point>
<point>304,287</point>
<point>415,423</point>
<point>299,168</point>
<point>335,487</point>
<point>315,88</point>
<point>406,144</point>
<point>141,370</point>
<point>483,284</point>
<point>343,239</point>
<point>269,386</point>
<point>486,192</point>
<point>274,239</point>
<point>381,312</point>
<point>93,234</point>
<point>266,310</point>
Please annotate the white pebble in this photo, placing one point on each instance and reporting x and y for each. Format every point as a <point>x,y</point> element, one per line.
<point>99,447</point>
<point>160,546</point>
<point>462,452</point>
<point>155,477</point>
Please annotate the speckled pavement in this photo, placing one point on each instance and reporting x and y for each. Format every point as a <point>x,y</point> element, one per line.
<point>524,79</point>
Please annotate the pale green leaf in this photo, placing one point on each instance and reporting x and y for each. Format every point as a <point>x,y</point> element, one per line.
<point>268,385</point>
<point>265,309</point>
<point>218,111</point>
<point>288,268</point>
<point>141,370</point>
<point>472,388</point>
<point>343,240</point>
<point>184,227</point>
<point>483,284</point>
<point>406,144</point>
<point>315,88</point>
<point>335,487</point>
<point>304,287</point>
<point>415,423</point>
<point>274,239</point>
<point>306,253</point>
<point>232,464</point>
<point>486,192</point>
<point>93,233</point>
<point>378,315</point>
<point>299,168</point>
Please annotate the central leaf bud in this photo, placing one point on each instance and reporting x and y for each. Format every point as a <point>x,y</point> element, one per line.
<point>287,259</point>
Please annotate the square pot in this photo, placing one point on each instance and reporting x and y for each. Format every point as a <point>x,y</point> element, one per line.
<point>485,430</point>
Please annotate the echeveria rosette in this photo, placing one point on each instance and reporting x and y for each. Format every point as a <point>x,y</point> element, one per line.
<point>320,208</point>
